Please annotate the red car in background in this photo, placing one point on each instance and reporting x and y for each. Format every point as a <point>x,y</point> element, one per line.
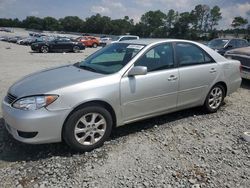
<point>89,41</point>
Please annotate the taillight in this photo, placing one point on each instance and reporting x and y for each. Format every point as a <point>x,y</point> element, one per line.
<point>240,68</point>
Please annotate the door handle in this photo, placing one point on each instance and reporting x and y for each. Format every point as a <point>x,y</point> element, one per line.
<point>172,77</point>
<point>212,70</point>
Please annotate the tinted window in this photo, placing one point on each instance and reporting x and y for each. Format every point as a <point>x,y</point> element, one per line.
<point>157,58</point>
<point>232,43</point>
<point>190,54</point>
<point>242,43</point>
<point>63,40</point>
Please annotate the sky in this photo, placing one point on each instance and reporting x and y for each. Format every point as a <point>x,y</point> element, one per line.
<point>118,8</point>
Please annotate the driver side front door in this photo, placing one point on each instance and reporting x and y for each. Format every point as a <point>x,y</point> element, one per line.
<point>155,92</point>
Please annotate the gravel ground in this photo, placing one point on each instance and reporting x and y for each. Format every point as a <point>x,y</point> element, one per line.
<point>183,149</point>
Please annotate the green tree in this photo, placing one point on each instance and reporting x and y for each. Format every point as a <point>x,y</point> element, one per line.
<point>215,16</point>
<point>32,22</point>
<point>153,21</point>
<point>239,22</point>
<point>121,26</point>
<point>50,24</point>
<point>198,16</point>
<point>171,18</point>
<point>71,23</point>
<point>182,26</point>
<point>98,24</point>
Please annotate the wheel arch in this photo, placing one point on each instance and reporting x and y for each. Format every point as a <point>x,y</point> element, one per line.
<point>223,84</point>
<point>100,103</point>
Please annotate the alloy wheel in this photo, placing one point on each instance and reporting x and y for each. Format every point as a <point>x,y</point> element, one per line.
<point>90,128</point>
<point>215,97</point>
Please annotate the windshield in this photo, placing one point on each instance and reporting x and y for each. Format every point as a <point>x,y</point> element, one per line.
<point>111,59</point>
<point>217,43</point>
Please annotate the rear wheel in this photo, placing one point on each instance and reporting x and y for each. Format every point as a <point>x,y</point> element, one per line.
<point>76,49</point>
<point>87,128</point>
<point>44,49</point>
<point>94,45</point>
<point>214,98</point>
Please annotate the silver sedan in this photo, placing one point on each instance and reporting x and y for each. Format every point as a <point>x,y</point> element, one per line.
<point>119,84</point>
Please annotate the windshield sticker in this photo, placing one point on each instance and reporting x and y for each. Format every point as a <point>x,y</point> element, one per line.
<point>138,47</point>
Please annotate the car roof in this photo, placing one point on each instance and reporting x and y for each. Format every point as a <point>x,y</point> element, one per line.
<point>151,41</point>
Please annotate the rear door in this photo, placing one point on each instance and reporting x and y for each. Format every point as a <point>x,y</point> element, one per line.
<point>197,71</point>
<point>63,44</point>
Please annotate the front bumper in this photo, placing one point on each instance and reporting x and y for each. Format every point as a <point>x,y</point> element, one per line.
<point>46,124</point>
<point>34,48</point>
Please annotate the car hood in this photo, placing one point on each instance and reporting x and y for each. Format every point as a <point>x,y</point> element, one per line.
<point>240,51</point>
<point>51,79</point>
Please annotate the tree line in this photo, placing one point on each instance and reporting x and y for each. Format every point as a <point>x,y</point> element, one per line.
<point>199,23</point>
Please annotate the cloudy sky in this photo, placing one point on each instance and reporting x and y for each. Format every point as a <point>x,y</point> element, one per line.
<point>117,8</point>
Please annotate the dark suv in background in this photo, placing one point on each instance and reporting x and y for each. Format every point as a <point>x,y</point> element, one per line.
<point>223,45</point>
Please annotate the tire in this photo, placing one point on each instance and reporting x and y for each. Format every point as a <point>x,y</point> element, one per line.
<point>76,49</point>
<point>94,45</point>
<point>44,49</point>
<point>214,99</point>
<point>87,128</point>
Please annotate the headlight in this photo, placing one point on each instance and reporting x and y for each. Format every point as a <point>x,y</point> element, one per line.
<point>34,102</point>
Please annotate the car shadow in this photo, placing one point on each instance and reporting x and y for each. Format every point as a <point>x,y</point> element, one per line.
<point>245,84</point>
<point>13,151</point>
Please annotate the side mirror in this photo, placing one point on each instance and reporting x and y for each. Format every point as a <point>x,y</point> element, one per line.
<point>138,70</point>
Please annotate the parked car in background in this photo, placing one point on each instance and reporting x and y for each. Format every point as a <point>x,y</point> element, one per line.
<point>58,45</point>
<point>124,37</point>
<point>243,55</point>
<point>14,39</point>
<point>4,38</point>
<point>223,45</point>
<point>119,84</point>
<point>105,40</point>
<point>31,40</point>
<point>89,41</point>
<point>5,29</point>
<point>36,34</point>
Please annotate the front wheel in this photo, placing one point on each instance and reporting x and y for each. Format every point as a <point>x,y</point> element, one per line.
<point>214,99</point>
<point>94,45</point>
<point>87,128</point>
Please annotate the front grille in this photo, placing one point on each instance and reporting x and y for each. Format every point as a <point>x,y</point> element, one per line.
<point>243,60</point>
<point>245,69</point>
<point>10,98</point>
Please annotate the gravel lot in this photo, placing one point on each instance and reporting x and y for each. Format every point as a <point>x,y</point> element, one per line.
<point>183,149</point>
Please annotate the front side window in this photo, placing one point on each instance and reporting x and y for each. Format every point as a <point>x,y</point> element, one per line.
<point>112,58</point>
<point>190,54</point>
<point>232,43</point>
<point>157,58</point>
